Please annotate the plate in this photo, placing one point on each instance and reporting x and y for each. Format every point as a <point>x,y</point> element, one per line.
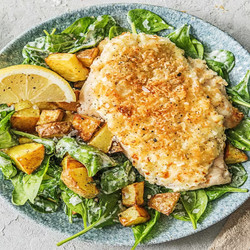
<point>169,229</point>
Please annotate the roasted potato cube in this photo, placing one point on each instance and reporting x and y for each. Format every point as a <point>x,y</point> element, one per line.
<point>48,116</point>
<point>68,117</point>
<point>28,157</point>
<point>23,140</point>
<point>54,129</point>
<point>46,105</point>
<point>133,194</point>
<point>86,57</point>
<point>164,203</point>
<point>75,177</point>
<point>86,126</point>
<point>68,66</point>
<point>25,119</point>
<point>23,105</point>
<point>79,84</point>
<point>102,139</point>
<point>70,106</point>
<point>133,216</point>
<point>234,155</point>
<point>235,118</point>
<point>115,148</point>
<point>102,44</point>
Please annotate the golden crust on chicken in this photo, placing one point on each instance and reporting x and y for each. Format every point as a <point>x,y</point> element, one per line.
<point>168,112</point>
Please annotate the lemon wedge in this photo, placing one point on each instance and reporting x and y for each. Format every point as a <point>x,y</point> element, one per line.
<point>33,83</point>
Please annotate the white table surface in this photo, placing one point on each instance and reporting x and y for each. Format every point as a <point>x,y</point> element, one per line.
<point>17,16</point>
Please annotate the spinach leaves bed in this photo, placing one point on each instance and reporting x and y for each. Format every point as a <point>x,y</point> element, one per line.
<point>44,190</point>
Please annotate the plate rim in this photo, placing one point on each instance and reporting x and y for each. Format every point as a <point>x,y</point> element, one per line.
<point>98,6</point>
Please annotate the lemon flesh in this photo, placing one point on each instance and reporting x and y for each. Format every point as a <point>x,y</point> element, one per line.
<point>33,83</point>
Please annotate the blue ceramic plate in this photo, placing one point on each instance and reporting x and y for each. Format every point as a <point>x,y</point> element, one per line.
<point>169,228</point>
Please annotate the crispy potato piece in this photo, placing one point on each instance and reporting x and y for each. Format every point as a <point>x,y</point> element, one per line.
<point>164,203</point>
<point>79,84</point>
<point>25,119</point>
<point>70,106</point>
<point>133,216</point>
<point>235,119</point>
<point>54,129</point>
<point>133,194</point>
<point>86,57</point>
<point>28,157</point>
<point>75,177</point>
<point>68,66</point>
<point>23,140</point>
<point>102,44</point>
<point>102,139</point>
<point>23,105</point>
<point>48,116</point>
<point>234,155</point>
<point>68,117</point>
<point>86,126</point>
<point>115,148</point>
<point>46,105</point>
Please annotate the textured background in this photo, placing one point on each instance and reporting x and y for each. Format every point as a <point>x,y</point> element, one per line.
<point>17,16</point>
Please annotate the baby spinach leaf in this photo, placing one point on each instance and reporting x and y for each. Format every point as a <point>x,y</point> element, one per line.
<point>224,58</point>
<point>75,203</point>
<point>104,210</point>
<point>219,68</point>
<point>236,98</point>
<point>182,38</point>
<point>239,177</point>
<point>68,212</point>
<point>50,188</point>
<point>150,190</point>
<point>32,182</point>
<point>92,158</point>
<point>36,51</point>
<point>243,87</point>
<point>180,213</point>
<point>96,33</point>
<point>117,178</point>
<point>216,192</point>
<point>142,230</point>
<point>5,110</point>
<point>195,203</point>
<point>26,186</point>
<point>7,140</point>
<point>220,61</point>
<point>19,196</point>
<point>146,21</point>
<point>48,196</point>
<point>59,43</point>
<point>239,94</point>
<point>198,46</point>
<point>7,166</point>
<point>240,136</point>
<point>119,157</point>
<point>80,26</point>
<point>47,143</point>
<point>44,205</point>
<point>101,212</point>
<point>116,31</point>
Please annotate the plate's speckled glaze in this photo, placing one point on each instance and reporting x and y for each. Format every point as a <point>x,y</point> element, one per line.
<point>169,228</point>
